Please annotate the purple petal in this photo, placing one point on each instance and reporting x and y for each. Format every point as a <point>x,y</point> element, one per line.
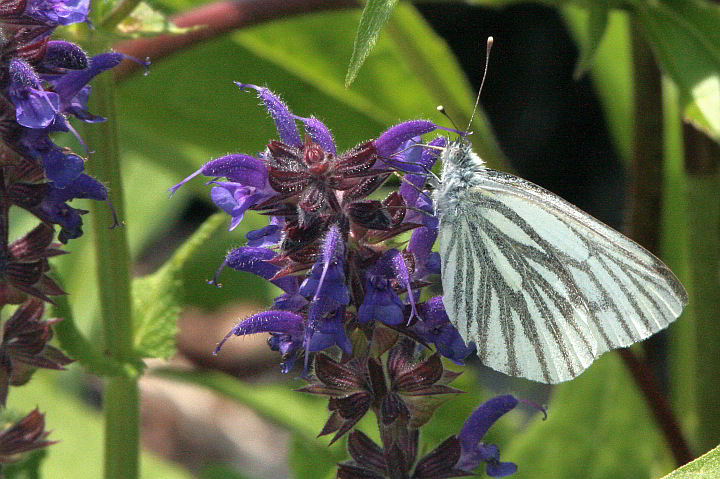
<point>233,199</point>
<point>436,328</point>
<point>61,168</point>
<point>270,235</point>
<point>84,187</point>
<point>267,322</point>
<point>286,128</point>
<point>34,107</point>
<point>391,141</point>
<point>254,260</point>
<point>381,303</point>
<point>403,276</point>
<point>319,133</point>
<point>329,332</point>
<point>70,84</point>
<point>424,158</point>
<point>501,469</point>
<point>479,422</point>
<point>238,168</point>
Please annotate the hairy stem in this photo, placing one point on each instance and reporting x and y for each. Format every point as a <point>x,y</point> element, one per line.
<point>113,272</point>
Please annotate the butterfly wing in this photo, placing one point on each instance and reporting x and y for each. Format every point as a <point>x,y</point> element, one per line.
<point>541,287</point>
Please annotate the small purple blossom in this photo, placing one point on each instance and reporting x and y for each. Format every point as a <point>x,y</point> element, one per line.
<point>474,451</point>
<point>246,187</point>
<point>435,328</point>
<point>381,301</point>
<point>58,12</point>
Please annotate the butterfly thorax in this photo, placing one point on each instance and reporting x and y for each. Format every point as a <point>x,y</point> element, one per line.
<point>462,170</point>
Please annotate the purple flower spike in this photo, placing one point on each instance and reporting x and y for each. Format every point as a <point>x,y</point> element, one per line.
<point>474,451</point>
<point>284,121</point>
<point>391,141</point>
<point>283,322</point>
<point>319,133</point>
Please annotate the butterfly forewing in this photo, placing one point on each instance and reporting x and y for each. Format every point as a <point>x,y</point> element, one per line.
<point>541,287</point>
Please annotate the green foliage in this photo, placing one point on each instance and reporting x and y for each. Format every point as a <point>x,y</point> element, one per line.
<point>28,467</point>
<point>604,412</point>
<point>187,111</point>
<point>158,297</point>
<point>374,17</point>
<point>686,43</point>
<point>706,466</point>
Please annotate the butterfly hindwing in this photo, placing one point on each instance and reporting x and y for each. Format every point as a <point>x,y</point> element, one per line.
<point>541,287</point>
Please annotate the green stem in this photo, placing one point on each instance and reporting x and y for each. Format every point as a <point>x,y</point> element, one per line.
<point>121,11</point>
<point>113,272</point>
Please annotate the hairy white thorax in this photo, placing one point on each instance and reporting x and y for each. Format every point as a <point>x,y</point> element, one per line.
<point>462,169</point>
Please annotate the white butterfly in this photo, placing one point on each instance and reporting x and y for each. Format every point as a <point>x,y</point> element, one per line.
<point>541,287</point>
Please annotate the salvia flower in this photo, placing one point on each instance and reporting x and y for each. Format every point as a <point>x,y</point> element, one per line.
<point>352,286</point>
<point>25,346</point>
<point>24,267</point>
<point>457,456</point>
<point>25,435</point>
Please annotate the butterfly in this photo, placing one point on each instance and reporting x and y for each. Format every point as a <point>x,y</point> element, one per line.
<point>539,286</point>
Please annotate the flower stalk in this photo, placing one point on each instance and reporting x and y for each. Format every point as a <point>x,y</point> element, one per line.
<point>113,279</point>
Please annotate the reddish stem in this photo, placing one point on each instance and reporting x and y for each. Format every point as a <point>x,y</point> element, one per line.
<point>218,18</point>
<point>659,405</point>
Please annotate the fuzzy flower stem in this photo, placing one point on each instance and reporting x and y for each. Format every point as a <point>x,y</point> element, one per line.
<point>113,273</point>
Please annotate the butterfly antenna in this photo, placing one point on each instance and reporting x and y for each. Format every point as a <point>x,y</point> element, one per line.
<point>482,83</point>
<point>441,109</point>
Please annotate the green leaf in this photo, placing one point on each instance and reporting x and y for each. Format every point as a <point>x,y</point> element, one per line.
<point>704,467</point>
<point>157,297</point>
<point>596,25</point>
<point>684,38</point>
<point>145,21</point>
<point>598,427</point>
<point>375,15</point>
